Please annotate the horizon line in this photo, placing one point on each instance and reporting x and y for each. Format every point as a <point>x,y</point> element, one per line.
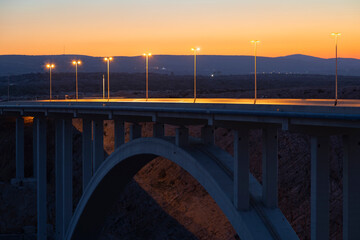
<point>129,56</point>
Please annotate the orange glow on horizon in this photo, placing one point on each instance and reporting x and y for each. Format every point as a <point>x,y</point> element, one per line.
<point>219,27</point>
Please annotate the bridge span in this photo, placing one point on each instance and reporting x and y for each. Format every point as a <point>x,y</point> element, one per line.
<point>251,207</point>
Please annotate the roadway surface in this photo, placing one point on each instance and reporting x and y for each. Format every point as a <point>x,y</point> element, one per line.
<point>260,101</point>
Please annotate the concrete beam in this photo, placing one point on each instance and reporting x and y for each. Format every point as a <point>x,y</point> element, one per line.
<point>98,144</point>
<point>178,121</point>
<point>135,131</point>
<point>321,131</point>
<point>207,135</point>
<point>320,187</point>
<point>119,133</point>
<point>158,130</point>
<point>351,188</point>
<point>182,136</point>
<point>67,173</point>
<point>59,221</point>
<point>248,125</point>
<point>41,182</point>
<point>134,118</point>
<point>19,148</point>
<point>86,152</point>
<point>241,169</point>
<point>270,167</point>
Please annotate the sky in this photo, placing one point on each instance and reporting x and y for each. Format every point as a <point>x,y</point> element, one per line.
<point>218,27</point>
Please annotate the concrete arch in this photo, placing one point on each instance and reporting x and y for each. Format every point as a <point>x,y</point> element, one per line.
<point>119,168</point>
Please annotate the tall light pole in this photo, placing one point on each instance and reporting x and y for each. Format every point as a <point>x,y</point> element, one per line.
<point>195,50</point>
<point>76,63</point>
<point>108,59</point>
<point>336,60</point>
<point>50,66</point>
<point>147,55</point>
<point>103,86</point>
<point>255,42</point>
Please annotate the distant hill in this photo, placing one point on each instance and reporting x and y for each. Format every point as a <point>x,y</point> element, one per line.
<point>182,65</point>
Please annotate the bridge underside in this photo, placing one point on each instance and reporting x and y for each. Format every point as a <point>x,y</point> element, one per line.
<point>210,166</point>
<point>250,207</point>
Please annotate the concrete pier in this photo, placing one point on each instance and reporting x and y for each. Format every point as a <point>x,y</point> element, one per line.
<point>59,149</point>
<point>135,131</point>
<point>119,133</point>
<point>351,188</point>
<point>67,172</point>
<point>319,187</point>
<point>86,152</point>
<point>41,182</point>
<point>241,169</point>
<point>19,148</point>
<point>98,143</point>
<point>270,167</point>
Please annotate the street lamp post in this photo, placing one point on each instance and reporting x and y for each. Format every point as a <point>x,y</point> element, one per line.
<point>50,66</point>
<point>195,50</point>
<point>147,55</point>
<point>76,63</point>
<point>255,52</point>
<point>103,86</point>
<point>108,59</point>
<point>336,60</point>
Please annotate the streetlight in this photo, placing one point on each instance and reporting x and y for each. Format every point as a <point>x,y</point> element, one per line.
<point>50,66</point>
<point>76,63</point>
<point>103,86</point>
<point>336,81</point>
<point>108,59</point>
<point>147,55</point>
<point>255,42</point>
<point>195,50</point>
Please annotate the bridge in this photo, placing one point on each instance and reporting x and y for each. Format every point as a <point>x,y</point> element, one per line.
<point>251,207</point>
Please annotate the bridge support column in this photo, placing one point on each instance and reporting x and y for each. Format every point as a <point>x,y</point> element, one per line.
<point>158,130</point>
<point>207,135</point>
<point>241,169</point>
<point>351,188</point>
<point>135,131</point>
<point>320,187</point>
<point>182,136</point>
<point>67,173</point>
<point>86,152</point>
<point>98,144</point>
<point>34,146</point>
<point>119,133</point>
<point>41,179</point>
<point>270,167</point>
<point>59,179</point>
<point>19,148</point>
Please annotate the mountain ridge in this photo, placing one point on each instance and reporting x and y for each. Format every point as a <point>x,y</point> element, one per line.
<point>183,64</point>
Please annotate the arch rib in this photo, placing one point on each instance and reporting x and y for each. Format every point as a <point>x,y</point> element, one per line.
<point>198,160</point>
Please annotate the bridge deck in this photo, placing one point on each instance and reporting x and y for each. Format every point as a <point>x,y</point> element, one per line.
<point>259,101</point>
<point>315,112</point>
